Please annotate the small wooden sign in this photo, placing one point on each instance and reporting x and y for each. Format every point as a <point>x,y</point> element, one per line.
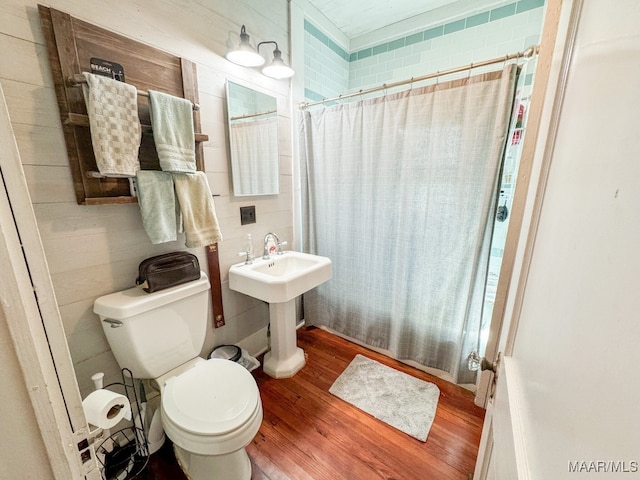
<point>106,68</point>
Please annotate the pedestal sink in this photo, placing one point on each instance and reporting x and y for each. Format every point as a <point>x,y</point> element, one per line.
<point>278,280</point>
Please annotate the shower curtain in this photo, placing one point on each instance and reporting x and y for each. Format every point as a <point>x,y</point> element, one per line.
<point>399,192</point>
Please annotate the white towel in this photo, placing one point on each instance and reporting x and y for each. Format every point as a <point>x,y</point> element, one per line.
<point>173,133</point>
<point>156,199</point>
<point>112,107</point>
<point>198,211</point>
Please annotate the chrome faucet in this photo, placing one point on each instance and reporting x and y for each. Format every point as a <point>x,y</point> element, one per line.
<point>277,242</point>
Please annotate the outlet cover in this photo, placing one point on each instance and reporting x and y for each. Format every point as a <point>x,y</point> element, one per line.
<point>247,215</point>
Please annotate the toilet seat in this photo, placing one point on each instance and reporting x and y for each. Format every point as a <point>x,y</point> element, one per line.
<point>212,408</point>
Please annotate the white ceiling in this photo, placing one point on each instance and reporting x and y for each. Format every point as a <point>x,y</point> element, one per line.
<point>358,17</point>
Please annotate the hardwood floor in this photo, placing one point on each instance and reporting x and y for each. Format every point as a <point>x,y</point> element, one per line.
<point>307,433</point>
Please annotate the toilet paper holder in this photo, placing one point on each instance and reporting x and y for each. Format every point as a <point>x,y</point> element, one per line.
<point>124,453</point>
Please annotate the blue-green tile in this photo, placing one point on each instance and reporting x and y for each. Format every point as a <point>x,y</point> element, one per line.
<point>433,32</point>
<point>338,50</point>
<point>364,53</point>
<point>307,25</point>
<point>322,37</point>
<point>454,26</point>
<point>524,5</point>
<point>415,38</point>
<point>478,19</point>
<point>502,12</point>
<point>353,57</point>
<point>378,49</point>
<point>395,44</point>
<point>312,96</point>
<point>313,30</point>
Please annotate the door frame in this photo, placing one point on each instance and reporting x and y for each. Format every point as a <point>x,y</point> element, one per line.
<point>503,416</point>
<point>517,229</point>
<point>35,326</point>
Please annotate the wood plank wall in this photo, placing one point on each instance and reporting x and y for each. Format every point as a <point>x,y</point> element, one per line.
<point>94,250</point>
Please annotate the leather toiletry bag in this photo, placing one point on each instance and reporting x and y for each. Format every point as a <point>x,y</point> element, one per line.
<point>167,270</point>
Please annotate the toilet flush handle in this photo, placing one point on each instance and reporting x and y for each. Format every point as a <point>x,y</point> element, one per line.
<point>113,323</point>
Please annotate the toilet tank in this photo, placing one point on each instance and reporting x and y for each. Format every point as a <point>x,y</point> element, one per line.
<point>152,333</point>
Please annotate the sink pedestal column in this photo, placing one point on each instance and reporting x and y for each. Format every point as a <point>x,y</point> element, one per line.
<point>285,358</point>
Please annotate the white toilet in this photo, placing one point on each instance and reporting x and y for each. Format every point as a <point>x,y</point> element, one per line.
<point>211,409</point>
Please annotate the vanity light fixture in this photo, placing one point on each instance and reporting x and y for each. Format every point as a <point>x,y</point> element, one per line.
<point>247,56</point>
<point>277,68</point>
<point>244,54</point>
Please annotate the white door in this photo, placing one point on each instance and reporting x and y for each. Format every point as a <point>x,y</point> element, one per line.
<point>567,403</point>
<point>34,331</point>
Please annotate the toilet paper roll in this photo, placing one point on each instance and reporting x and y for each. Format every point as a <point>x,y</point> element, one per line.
<point>104,408</point>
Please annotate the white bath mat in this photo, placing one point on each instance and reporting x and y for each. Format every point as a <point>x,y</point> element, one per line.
<point>400,400</point>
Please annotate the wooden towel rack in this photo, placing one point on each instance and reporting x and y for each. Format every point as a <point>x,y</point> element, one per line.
<point>72,44</point>
<point>78,79</point>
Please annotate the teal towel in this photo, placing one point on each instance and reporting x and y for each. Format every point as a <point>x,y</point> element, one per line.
<point>156,199</point>
<point>173,133</point>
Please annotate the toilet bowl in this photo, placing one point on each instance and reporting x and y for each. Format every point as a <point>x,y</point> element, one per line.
<point>210,409</point>
<point>211,412</point>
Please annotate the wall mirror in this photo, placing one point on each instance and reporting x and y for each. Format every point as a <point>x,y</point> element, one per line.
<point>253,141</point>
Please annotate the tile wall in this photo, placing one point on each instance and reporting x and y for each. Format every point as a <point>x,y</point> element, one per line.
<point>330,70</point>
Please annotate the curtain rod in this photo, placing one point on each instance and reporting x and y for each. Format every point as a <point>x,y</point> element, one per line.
<point>528,53</point>
<point>249,115</point>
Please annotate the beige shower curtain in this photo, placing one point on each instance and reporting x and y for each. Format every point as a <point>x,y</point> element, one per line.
<point>399,191</point>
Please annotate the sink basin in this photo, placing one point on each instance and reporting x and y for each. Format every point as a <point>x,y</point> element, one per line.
<point>280,278</point>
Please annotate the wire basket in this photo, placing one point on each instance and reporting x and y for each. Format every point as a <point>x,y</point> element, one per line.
<point>123,455</point>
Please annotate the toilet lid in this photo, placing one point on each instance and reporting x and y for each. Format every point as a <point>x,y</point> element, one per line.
<point>213,398</point>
